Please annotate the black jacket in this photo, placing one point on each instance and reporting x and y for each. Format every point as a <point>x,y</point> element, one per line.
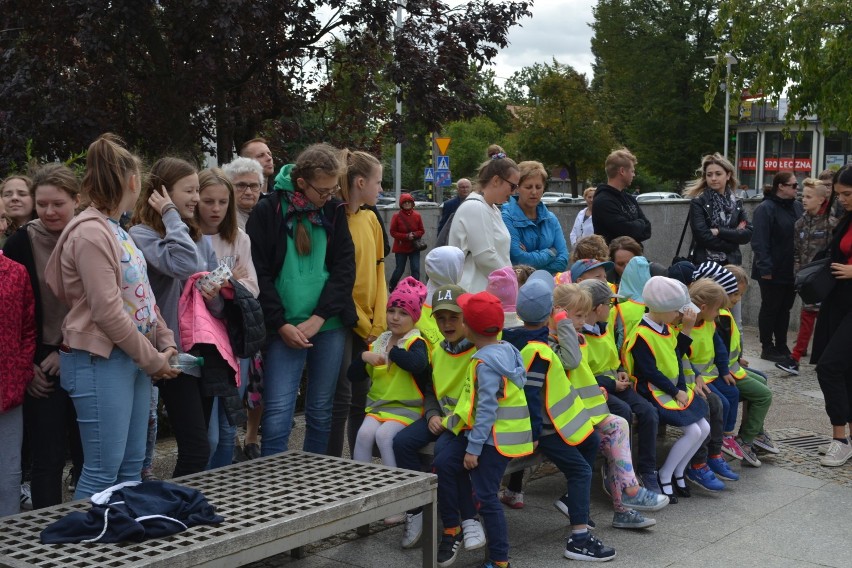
<point>268,234</point>
<point>838,305</point>
<point>772,241</point>
<point>617,214</point>
<point>729,238</point>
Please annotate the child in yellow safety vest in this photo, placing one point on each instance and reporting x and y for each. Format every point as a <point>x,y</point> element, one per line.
<point>398,365</point>
<point>561,425</point>
<point>450,363</point>
<point>574,305</point>
<point>494,423</point>
<point>652,356</point>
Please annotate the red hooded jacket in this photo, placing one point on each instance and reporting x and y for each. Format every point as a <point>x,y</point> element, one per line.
<point>404,222</point>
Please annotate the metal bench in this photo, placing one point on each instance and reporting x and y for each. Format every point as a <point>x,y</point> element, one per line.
<point>271,505</point>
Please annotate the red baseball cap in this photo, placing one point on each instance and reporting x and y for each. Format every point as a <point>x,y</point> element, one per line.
<point>482,312</point>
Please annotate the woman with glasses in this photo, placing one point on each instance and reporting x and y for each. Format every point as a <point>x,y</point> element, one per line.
<point>717,218</point>
<point>305,261</point>
<point>246,176</point>
<point>478,228</point>
<point>772,265</point>
<point>537,237</point>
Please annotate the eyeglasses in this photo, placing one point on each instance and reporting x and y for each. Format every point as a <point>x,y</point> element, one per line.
<point>323,192</point>
<point>794,184</point>
<point>513,186</point>
<point>243,186</point>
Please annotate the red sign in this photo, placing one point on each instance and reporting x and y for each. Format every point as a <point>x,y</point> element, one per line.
<point>777,164</point>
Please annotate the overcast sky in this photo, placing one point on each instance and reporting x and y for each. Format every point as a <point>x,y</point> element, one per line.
<point>558,28</point>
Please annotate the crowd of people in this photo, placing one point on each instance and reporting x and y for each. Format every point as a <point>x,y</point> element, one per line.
<point>517,341</point>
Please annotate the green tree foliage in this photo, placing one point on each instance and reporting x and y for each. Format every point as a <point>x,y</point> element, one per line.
<point>470,139</point>
<point>563,127</point>
<point>652,76</point>
<point>178,75</point>
<point>805,53</point>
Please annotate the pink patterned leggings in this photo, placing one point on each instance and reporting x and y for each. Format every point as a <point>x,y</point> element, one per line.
<point>615,447</point>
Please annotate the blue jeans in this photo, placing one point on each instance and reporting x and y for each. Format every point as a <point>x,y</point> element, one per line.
<point>485,479</point>
<point>12,431</point>
<point>112,397</point>
<point>220,432</point>
<point>283,367</point>
<point>399,269</point>
<point>730,396</point>
<point>408,442</point>
<point>576,463</point>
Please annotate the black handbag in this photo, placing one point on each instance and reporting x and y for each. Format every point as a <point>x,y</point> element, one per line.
<point>814,281</point>
<point>419,244</point>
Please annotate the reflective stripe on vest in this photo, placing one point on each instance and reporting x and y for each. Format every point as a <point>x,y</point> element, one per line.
<point>735,346</point>
<point>394,394</point>
<point>564,410</point>
<point>702,353</point>
<point>586,385</point>
<point>511,432</point>
<point>449,373</point>
<point>663,348</point>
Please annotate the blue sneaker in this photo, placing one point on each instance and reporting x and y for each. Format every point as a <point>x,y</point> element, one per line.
<point>704,478</point>
<point>720,467</point>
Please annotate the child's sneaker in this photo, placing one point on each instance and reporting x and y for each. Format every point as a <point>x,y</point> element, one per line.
<point>631,519</point>
<point>148,474</point>
<point>448,549</point>
<point>413,530</point>
<point>589,548</point>
<point>722,470</point>
<point>644,500</point>
<point>730,447</point>
<point>838,454</point>
<point>511,499</point>
<point>474,536</point>
<point>704,478</point>
<point>823,449</point>
<point>26,497</point>
<point>764,442</point>
<point>749,456</point>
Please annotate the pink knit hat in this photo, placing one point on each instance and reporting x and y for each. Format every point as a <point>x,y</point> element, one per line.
<point>409,295</point>
<point>503,283</point>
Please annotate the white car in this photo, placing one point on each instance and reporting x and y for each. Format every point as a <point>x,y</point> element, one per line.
<point>657,196</point>
<point>551,197</point>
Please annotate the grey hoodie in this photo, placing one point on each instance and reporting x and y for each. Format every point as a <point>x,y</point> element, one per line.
<point>499,360</point>
<point>444,266</point>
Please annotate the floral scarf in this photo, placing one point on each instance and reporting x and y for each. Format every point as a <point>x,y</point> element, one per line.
<point>299,207</point>
<point>721,207</point>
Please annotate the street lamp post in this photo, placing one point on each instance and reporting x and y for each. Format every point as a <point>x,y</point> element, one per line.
<point>729,60</point>
<point>397,164</point>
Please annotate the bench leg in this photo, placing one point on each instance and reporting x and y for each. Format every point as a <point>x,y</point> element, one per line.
<point>363,530</point>
<point>298,552</point>
<point>430,532</point>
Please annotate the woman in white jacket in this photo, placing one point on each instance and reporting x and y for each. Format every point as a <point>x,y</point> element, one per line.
<point>583,224</point>
<point>478,228</point>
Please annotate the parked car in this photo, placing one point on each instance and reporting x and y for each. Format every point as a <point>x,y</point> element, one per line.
<point>657,196</point>
<point>550,197</point>
<point>570,199</point>
<point>383,201</point>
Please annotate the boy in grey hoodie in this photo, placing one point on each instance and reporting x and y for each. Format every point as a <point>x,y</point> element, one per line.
<point>495,424</point>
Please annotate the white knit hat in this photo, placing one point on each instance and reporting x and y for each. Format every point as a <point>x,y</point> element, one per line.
<point>664,294</point>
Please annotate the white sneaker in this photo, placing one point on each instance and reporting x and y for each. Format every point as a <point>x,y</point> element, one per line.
<point>413,530</point>
<point>26,497</point>
<point>823,449</point>
<point>474,536</point>
<point>837,454</point>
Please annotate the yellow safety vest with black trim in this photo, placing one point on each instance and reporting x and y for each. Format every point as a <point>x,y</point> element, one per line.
<point>394,394</point>
<point>702,354</point>
<point>735,346</point>
<point>603,354</point>
<point>584,382</point>
<point>562,403</point>
<point>663,348</point>
<point>511,432</point>
<point>630,313</point>
<point>449,373</point>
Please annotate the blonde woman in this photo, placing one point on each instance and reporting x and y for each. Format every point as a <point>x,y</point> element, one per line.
<point>583,226</point>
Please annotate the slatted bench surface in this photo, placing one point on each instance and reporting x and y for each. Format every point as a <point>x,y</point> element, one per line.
<point>270,505</point>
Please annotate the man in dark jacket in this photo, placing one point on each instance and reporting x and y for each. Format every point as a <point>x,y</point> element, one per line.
<point>449,207</point>
<point>617,213</point>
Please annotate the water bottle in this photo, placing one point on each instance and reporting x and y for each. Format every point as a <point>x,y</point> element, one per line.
<point>186,363</point>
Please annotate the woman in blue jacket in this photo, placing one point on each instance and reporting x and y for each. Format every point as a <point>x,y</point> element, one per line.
<point>537,237</point>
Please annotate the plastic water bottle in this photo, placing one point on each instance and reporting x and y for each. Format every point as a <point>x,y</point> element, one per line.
<point>186,363</point>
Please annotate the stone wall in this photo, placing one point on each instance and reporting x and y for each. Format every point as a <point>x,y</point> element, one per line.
<point>667,220</point>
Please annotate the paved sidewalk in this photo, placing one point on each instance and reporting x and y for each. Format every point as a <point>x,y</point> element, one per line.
<point>790,512</point>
